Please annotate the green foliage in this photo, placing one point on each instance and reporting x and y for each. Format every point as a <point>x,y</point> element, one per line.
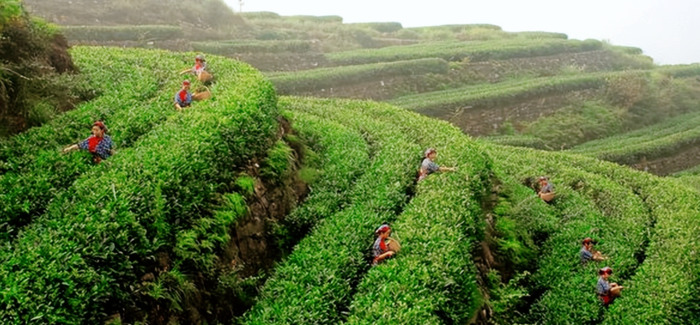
<point>575,125</point>
<point>278,162</point>
<point>457,51</point>
<point>436,229</point>
<point>649,142</point>
<point>314,281</point>
<point>518,140</point>
<point>33,55</point>
<point>171,287</point>
<point>604,202</point>
<point>252,15</point>
<point>196,248</point>
<point>98,237</point>
<point>343,156</point>
<point>122,33</point>
<point>443,103</point>
<point>505,297</point>
<point>245,185</point>
<point>32,163</point>
<point>9,9</point>
<point>541,35</point>
<point>231,48</point>
<point>316,19</point>
<point>383,27</point>
<point>195,17</point>
<point>326,78</point>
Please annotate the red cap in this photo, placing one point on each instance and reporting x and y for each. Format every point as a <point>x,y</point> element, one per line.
<point>186,83</point>
<point>382,229</point>
<point>100,125</point>
<point>587,240</point>
<point>606,269</point>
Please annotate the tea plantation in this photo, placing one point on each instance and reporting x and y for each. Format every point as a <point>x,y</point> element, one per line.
<point>82,243</point>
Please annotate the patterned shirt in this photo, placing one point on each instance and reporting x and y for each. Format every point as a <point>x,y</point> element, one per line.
<point>379,247</point>
<point>199,67</point>
<point>586,255</point>
<point>603,287</point>
<point>547,188</point>
<point>103,148</point>
<point>427,167</point>
<point>187,98</point>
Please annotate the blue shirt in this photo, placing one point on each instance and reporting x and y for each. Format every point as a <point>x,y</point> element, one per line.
<point>586,255</point>
<point>103,148</point>
<point>603,287</point>
<point>427,167</point>
<point>186,102</point>
<point>377,247</point>
<point>547,188</point>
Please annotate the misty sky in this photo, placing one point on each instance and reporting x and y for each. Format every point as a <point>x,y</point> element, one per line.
<point>664,29</point>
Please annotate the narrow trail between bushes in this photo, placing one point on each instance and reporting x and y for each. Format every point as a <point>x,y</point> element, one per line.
<point>340,240</point>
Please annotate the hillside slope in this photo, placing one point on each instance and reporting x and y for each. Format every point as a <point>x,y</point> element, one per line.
<point>126,240</point>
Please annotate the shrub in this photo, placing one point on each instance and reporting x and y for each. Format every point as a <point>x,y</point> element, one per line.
<point>98,237</point>
<point>303,290</point>
<point>122,33</point>
<point>32,162</point>
<point>278,161</point>
<point>574,125</point>
<point>326,78</point>
<point>457,51</point>
<point>231,48</point>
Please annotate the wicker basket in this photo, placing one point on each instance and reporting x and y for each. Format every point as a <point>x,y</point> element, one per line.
<point>206,94</point>
<point>204,76</point>
<point>547,197</point>
<point>393,245</point>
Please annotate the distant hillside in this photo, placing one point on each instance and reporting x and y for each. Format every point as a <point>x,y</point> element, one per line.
<point>194,17</point>
<point>532,88</point>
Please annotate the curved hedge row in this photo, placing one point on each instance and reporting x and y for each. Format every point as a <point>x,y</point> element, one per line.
<point>660,289</point>
<point>315,283</point>
<point>327,78</point>
<point>431,275</point>
<point>651,142</point>
<point>604,211</point>
<point>528,141</point>
<point>665,287</point>
<point>344,156</point>
<point>252,46</point>
<point>438,103</point>
<point>122,33</point>
<point>458,51</point>
<point>100,237</point>
<point>36,170</point>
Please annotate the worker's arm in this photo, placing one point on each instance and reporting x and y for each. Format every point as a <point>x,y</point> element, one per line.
<point>447,169</point>
<point>383,256</point>
<point>71,148</point>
